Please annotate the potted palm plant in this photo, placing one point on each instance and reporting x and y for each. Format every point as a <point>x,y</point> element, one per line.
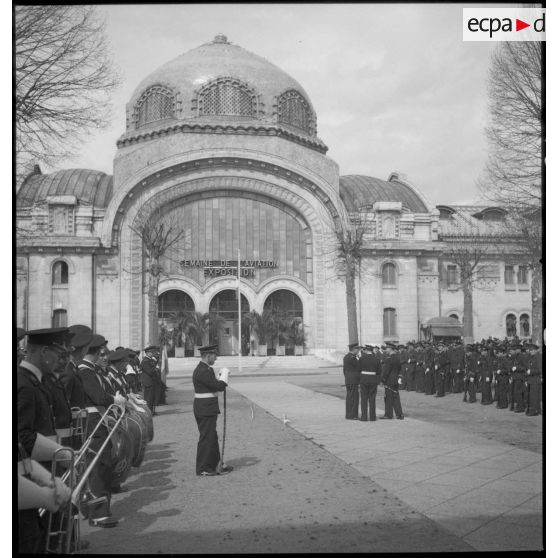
<point>262,326</point>
<point>282,328</point>
<point>299,337</point>
<point>195,325</point>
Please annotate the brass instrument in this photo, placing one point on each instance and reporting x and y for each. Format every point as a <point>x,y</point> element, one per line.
<point>61,524</point>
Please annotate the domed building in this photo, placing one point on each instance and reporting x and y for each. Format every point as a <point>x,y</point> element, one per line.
<point>221,151</point>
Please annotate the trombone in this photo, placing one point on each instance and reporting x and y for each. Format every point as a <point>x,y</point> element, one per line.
<point>65,524</point>
<point>61,524</point>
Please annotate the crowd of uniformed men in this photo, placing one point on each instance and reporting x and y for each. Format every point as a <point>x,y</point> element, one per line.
<point>505,372</point>
<point>73,392</point>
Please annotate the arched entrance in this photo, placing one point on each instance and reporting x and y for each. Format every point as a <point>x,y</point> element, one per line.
<point>174,305</point>
<point>223,311</point>
<point>287,307</point>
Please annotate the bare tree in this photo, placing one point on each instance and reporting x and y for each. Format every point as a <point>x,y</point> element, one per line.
<point>513,174</point>
<point>467,256</point>
<point>158,235</point>
<point>63,78</point>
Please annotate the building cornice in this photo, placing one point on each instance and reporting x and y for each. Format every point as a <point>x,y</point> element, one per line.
<point>139,136</point>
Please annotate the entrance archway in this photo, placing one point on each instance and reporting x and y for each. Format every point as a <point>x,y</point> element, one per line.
<point>174,305</point>
<point>287,306</point>
<point>223,311</point>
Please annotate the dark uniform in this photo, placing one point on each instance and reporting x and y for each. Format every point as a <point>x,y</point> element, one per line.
<point>485,374</point>
<point>403,355</point>
<point>351,371</point>
<point>34,416</point>
<point>441,365</point>
<point>457,364</point>
<point>391,371</point>
<point>429,355</point>
<point>503,374</point>
<point>419,368</point>
<point>206,410</point>
<point>533,381</point>
<point>518,391</point>
<point>60,408</point>
<point>370,372</point>
<point>150,380</point>
<point>471,380</point>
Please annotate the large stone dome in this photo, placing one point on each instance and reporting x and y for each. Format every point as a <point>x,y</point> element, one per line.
<point>221,83</point>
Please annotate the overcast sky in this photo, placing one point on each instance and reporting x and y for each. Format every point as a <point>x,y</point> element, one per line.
<point>394,86</point>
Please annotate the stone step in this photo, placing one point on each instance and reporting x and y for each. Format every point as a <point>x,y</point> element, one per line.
<point>179,366</point>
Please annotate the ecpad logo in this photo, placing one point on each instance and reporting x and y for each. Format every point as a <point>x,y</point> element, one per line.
<point>495,24</point>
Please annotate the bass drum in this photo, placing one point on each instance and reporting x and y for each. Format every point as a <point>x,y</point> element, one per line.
<point>138,432</point>
<point>148,419</point>
<point>122,452</point>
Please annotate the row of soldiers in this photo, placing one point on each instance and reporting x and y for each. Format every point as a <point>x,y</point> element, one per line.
<point>63,374</point>
<point>508,373</point>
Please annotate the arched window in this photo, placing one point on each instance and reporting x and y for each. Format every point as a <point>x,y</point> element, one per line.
<point>524,325</point>
<point>390,322</point>
<point>293,109</point>
<point>225,304</point>
<point>60,273</point>
<point>60,318</point>
<point>388,275</point>
<point>157,103</point>
<point>284,302</point>
<point>511,325</point>
<point>174,302</point>
<point>227,97</point>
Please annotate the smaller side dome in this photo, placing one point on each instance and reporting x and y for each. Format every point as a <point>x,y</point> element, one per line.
<point>88,186</point>
<point>358,191</point>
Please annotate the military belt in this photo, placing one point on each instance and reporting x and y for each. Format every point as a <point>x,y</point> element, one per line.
<point>204,395</point>
<point>370,373</point>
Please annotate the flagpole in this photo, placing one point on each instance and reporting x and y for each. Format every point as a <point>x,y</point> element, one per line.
<point>239,317</point>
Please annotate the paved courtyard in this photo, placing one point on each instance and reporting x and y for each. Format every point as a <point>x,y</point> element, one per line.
<point>450,477</point>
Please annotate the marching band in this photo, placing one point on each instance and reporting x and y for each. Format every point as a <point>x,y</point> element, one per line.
<point>84,419</point>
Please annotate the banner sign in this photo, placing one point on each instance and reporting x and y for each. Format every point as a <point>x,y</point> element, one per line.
<point>219,268</point>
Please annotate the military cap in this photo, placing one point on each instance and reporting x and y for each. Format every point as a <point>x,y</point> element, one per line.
<point>369,347</point>
<point>48,336</point>
<point>392,346</point>
<point>119,354</point>
<point>131,352</point>
<point>208,349</point>
<point>78,328</point>
<point>97,341</point>
<point>80,339</point>
<point>151,348</point>
<point>20,334</point>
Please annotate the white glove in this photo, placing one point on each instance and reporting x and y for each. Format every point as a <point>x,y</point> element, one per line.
<point>435,367</point>
<point>487,379</point>
<point>513,368</point>
<point>528,372</point>
<point>119,399</point>
<point>497,371</point>
<point>399,381</point>
<point>471,379</point>
<point>457,371</point>
<point>224,375</point>
<point>409,360</point>
<point>427,370</point>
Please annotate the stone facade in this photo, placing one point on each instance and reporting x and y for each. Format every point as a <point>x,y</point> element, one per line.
<point>258,180</point>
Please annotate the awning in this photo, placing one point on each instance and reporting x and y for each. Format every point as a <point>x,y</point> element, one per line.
<point>451,331</point>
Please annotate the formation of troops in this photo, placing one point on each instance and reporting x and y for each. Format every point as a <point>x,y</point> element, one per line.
<point>507,373</point>
<point>84,418</point>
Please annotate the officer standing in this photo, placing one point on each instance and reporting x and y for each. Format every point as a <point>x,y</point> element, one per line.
<point>533,381</point>
<point>150,377</point>
<point>370,372</point>
<point>391,371</point>
<point>206,410</point>
<point>351,371</point>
